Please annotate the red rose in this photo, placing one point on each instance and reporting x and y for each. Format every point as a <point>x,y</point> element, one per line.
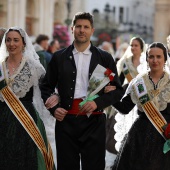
<point>111,78</point>
<point>166,132</point>
<point>108,72</point>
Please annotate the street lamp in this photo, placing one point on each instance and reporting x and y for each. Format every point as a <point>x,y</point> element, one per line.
<point>107,11</point>
<point>1,7</point>
<point>68,20</point>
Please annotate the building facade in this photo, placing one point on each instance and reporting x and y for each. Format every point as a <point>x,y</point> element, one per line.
<point>35,16</point>
<point>127,18</point>
<point>162,20</point>
<point>143,17</point>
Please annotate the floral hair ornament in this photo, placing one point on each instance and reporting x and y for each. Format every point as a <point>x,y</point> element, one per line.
<point>99,79</point>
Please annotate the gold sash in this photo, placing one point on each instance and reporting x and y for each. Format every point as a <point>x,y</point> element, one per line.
<point>149,107</point>
<point>29,125</point>
<point>126,73</point>
<point>26,120</point>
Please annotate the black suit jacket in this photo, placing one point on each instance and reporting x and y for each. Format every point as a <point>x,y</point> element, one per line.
<point>61,73</point>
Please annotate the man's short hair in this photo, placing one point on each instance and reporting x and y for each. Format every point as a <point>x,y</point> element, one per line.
<point>82,15</point>
<point>41,38</point>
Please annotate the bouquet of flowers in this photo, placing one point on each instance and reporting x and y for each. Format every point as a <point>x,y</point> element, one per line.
<point>62,35</point>
<point>100,77</point>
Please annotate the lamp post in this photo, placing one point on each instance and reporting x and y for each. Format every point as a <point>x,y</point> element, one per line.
<point>68,20</point>
<point>107,11</point>
<point>1,6</point>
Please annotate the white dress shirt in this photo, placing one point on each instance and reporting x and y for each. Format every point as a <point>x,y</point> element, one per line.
<point>82,60</point>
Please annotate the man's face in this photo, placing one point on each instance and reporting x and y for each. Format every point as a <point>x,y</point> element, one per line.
<point>44,44</point>
<point>82,31</point>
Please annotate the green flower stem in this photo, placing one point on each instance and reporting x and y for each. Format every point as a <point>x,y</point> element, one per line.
<point>88,99</point>
<point>166,147</point>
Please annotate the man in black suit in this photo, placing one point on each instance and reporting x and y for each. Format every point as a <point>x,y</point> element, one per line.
<point>79,137</point>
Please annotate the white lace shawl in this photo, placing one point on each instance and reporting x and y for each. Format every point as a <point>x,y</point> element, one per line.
<point>161,99</point>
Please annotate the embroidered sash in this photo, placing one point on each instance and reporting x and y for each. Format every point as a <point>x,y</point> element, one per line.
<point>149,107</point>
<point>126,72</point>
<point>26,120</point>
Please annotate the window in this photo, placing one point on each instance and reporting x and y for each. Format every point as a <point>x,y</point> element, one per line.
<point>121,14</point>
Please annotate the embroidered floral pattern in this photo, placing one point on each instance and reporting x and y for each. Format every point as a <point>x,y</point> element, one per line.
<point>22,82</point>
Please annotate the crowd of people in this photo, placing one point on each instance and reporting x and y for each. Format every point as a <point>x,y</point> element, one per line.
<point>44,87</point>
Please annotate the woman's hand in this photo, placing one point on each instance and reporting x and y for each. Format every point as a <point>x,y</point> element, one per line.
<point>52,101</point>
<point>109,88</point>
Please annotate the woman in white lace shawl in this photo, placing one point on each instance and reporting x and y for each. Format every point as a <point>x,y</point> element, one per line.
<point>21,73</point>
<point>145,147</point>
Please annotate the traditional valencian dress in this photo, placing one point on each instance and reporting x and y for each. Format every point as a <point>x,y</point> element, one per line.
<point>142,147</point>
<point>23,141</point>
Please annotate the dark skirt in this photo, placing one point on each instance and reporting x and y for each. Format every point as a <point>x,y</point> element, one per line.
<point>17,149</point>
<point>142,148</point>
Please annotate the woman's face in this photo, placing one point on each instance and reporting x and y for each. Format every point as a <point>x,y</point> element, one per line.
<point>14,43</point>
<point>135,47</point>
<point>156,59</point>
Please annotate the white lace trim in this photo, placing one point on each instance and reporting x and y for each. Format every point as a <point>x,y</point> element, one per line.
<point>122,125</point>
<point>124,122</point>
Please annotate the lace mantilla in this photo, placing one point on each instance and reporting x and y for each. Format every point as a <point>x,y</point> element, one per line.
<point>161,98</point>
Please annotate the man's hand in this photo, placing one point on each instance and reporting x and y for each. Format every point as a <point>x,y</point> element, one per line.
<point>52,101</point>
<point>88,107</point>
<point>60,113</point>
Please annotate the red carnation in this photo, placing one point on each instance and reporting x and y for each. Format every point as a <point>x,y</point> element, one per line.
<point>166,131</point>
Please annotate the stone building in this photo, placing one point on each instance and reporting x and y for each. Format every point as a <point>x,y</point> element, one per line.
<point>162,20</point>
<point>36,16</point>
<point>40,16</point>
